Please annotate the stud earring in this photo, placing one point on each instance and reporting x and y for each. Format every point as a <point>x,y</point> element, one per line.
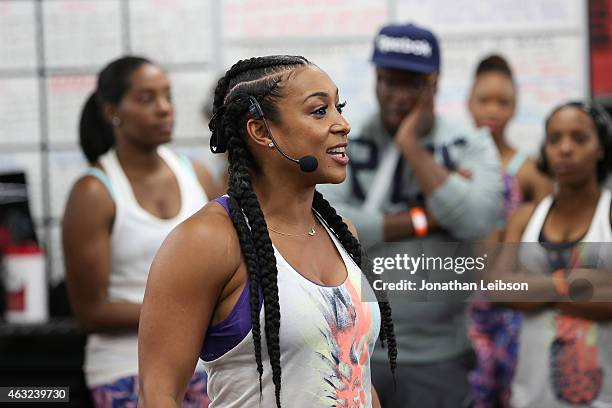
<point>271,145</point>
<point>116,121</point>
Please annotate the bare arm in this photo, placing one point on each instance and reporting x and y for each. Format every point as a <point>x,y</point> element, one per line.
<point>599,308</point>
<point>209,185</point>
<point>598,311</point>
<point>86,232</point>
<point>398,226</point>
<point>594,286</point>
<point>185,283</point>
<point>351,227</point>
<point>534,184</point>
<point>506,268</point>
<point>375,399</point>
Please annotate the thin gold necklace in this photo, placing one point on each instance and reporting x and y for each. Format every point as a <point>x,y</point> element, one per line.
<point>309,233</point>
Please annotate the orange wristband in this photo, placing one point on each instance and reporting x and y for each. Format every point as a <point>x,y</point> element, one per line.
<point>419,221</point>
<point>560,283</point>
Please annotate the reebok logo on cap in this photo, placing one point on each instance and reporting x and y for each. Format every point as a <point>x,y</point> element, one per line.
<point>407,47</point>
<point>403,45</point>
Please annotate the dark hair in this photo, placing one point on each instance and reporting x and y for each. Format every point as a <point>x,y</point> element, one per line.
<point>494,63</point>
<point>262,79</point>
<point>603,124</point>
<point>95,133</point>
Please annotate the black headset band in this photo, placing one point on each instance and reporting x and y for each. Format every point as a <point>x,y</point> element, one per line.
<point>218,144</point>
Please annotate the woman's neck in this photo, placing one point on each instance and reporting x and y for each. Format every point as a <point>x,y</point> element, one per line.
<point>569,198</point>
<point>285,204</point>
<point>136,159</point>
<point>503,148</point>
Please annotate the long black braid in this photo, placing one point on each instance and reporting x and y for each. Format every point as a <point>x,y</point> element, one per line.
<point>353,247</point>
<point>261,78</point>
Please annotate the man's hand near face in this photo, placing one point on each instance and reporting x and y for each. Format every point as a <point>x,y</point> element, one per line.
<point>419,121</point>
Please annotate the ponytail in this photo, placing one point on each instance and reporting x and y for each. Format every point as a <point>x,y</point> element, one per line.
<point>95,133</point>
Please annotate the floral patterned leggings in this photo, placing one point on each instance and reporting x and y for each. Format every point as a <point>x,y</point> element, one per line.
<point>124,393</point>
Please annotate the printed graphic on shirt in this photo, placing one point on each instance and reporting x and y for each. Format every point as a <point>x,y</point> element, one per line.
<point>348,340</point>
<point>576,375</point>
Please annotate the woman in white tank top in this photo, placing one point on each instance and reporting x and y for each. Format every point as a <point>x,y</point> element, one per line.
<point>118,215</point>
<point>265,284</point>
<point>565,352</point>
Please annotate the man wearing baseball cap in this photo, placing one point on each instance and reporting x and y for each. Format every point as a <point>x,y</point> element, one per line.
<point>415,177</point>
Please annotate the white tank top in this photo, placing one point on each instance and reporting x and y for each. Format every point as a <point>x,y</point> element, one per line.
<point>327,336</point>
<point>532,384</point>
<point>135,239</point>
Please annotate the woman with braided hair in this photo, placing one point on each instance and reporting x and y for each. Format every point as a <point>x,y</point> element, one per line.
<point>265,283</point>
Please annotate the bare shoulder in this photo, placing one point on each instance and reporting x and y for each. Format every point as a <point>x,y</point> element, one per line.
<point>537,184</point>
<point>518,222</point>
<point>351,227</point>
<point>89,193</point>
<point>206,180</point>
<point>90,187</point>
<point>199,169</point>
<point>209,233</point>
<point>530,169</point>
<point>524,212</point>
<point>203,247</point>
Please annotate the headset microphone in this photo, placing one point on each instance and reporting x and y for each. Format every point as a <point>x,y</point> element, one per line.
<point>307,164</point>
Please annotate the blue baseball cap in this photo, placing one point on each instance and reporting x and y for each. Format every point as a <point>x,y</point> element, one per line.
<point>407,47</point>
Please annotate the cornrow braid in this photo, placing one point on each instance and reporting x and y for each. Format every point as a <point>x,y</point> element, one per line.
<point>353,247</point>
<point>247,245</point>
<point>268,274</point>
<point>262,76</point>
<point>251,64</point>
<point>257,249</point>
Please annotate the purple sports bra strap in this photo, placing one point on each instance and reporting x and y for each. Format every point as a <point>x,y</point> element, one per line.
<point>224,201</point>
<point>227,334</point>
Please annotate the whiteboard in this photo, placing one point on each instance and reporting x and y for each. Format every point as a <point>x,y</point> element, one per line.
<point>545,70</point>
<point>81,33</point>
<point>276,19</point>
<point>462,17</point>
<point>190,90</point>
<point>541,39</point>
<point>65,168</point>
<point>48,70</point>
<point>66,95</point>
<point>172,31</point>
<point>17,35</point>
<point>19,111</point>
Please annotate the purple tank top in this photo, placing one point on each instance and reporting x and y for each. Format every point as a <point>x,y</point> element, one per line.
<point>227,334</point>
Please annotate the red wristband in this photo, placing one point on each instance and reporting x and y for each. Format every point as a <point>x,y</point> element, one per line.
<point>419,221</point>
